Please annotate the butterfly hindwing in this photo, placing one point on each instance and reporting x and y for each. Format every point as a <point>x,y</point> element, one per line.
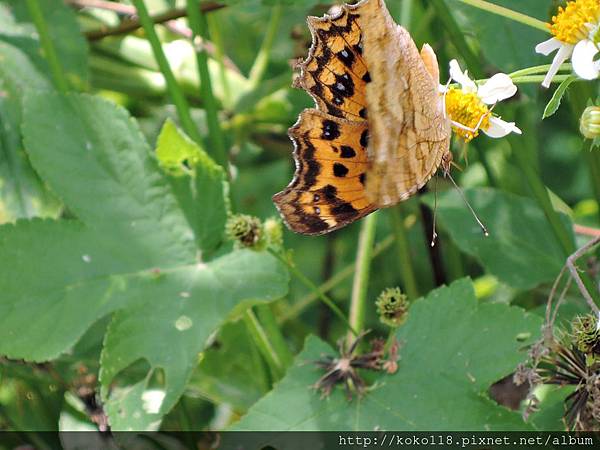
<point>328,188</point>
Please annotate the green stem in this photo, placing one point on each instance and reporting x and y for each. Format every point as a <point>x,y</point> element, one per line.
<point>58,75</point>
<point>259,67</point>
<point>539,79</point>
<point>508,13</point>
<point>457,36</point>
<point>269,323</point>
<point>199,28</point>
<point>173,87</point>
<point>407,273</point>
<point>316,291</point>
<point>360,285</point>
<point>540,193</point>
<point>454,264</point>
<point>406,13</point>
<point>215,33</point>
<point>297,308</point>
<point>593,160</point>
<point>266,348</point>
<point>538,69</point>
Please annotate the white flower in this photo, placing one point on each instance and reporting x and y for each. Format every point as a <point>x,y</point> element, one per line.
<point>468,109</point>
<point>576,32</point>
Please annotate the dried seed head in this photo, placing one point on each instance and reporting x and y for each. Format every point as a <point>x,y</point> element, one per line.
<point>245,230</point>
<point>586,335</point>
<point>392,307</point>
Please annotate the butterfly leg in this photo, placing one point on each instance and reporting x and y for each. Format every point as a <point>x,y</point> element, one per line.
<point>477,127</point>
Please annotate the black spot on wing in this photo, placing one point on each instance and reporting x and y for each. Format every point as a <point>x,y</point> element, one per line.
<point>362,178</point>
<point>366,77</point>
<point>343,86</point>
<point>363,113</point>
<point>344,209</point>
<point>340,170</point>
<point>331,130</point>
<point>364,138</point>
<point>347,152</point>
<point>347,57</point>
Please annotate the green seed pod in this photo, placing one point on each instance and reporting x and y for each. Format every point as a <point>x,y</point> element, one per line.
<point>589,124</point>
<point>585,334</point>
<point>392,307</point>
<point>245,230</point>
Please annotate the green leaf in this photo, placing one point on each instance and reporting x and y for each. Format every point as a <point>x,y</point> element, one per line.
<point>461,345</point>
<point>231,370</point>
<point>195,300</point>
<point>132,253</point>
<point>71,46</point>
<point>22,194</point>
<point>557,97</point>
<point>198,183</point>
<point>521,249</point>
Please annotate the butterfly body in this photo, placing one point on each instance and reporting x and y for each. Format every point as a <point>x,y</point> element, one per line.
<point>378,132</point>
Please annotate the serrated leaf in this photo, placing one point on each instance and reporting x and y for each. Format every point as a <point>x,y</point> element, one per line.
<point>22,194</point>
<point>557,97</point>
<point>521,249</point>
<point>198,184</point>
<point>132,252</point>
<point>461,345</point>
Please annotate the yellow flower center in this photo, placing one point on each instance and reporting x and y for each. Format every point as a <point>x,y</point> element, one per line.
<point>467,109</point>
<point>569,25</point>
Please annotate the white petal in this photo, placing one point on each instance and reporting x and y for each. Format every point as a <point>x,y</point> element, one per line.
<point>461,77</point>
<point>498,88</point>
<point>499,128</point>
<point>583,60</point>
<point>547,47</point>
<point>564,52</point>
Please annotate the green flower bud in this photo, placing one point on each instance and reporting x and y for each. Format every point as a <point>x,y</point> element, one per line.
<point>274,233</point>
<point>392,307</point>
<point>245,230</point>
<point>589,123</point>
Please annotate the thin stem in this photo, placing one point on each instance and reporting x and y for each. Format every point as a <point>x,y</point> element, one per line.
<point>457,36</point>
<point>538,69</point>
<point>406,13</point>
<point>364,254</point>
<point>133,23</point>
<point>173,87</point>
<point>508,13</point>
<point>259,67</point>
<point>317,291</point>
<point>269,323</point>
<point>261,340</point>
<point>540,78</point>
<point>593,162</point>
<point>297,308</point>
<point>219,55</point>
<point>58,75</point>
<point>199,29</point>
<point>407,273</point>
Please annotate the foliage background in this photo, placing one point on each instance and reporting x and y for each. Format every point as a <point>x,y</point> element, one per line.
<point>122,302</point>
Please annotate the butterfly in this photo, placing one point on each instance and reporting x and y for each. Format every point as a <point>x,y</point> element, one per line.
<point>378,131</point>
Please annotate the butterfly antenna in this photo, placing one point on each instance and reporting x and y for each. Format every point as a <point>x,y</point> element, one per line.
<point>435,192</point>
<point>462,194</point>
